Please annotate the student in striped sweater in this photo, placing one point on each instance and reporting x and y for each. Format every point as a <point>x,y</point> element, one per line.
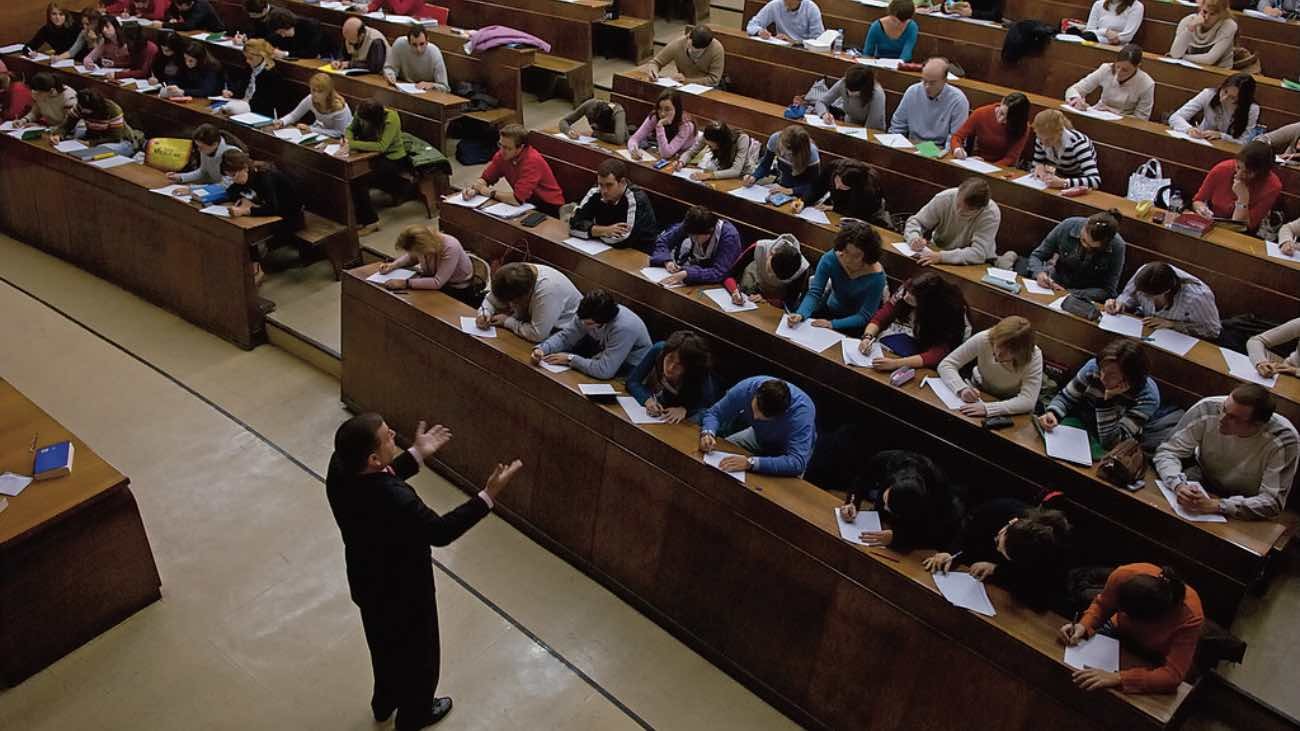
<point>1063,156</point>
<point>1111,394</point>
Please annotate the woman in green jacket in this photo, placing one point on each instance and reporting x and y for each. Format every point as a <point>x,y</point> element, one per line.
<point>379,130</point>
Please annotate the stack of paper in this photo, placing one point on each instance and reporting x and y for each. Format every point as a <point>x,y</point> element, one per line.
<point>218,211</point>
<point>773,40</point>
<point>636,413</point>
<point>1005,275</point>
<point>1275,251</point>
<point>686,173</point>
<point>406,88</point>
<point>1033,287</point>
<point>333,149</point>
<point>892,140</point>
<point>881,63</point>
<point>170,190</point>
<point>1095,113</point>
<point>755,193</point>
<point>813,214</point>
<point>858,132</point>
<point>12,48</point>
<point>469,326</point>
<point>1069,443</point>
<point>945,394</point>
<point>252,119</point>
<point>668,82</point>
<point>1122,324</point>
<point>722,298</point>
<point>804,334</point>
<point>645,156</point>
<point>816,120</point>
<point>962,590</point>
<point>657,275</point>
<point>1240,366</point>
<point>70,146</point>
<point>12,484</point>
<point>507,210</point>
<point>1067,38</point>
<point>596,389</point>
<point>1173,341</point>
<point>553,367</point>
<point>852,355</point>
<point>1263,16</point>
<point>904,248</point>
<point>1030,181</point>
<point>586,246</point>
<point>851,530</point>
<point>714,459</point>
<point>1099,652</point>
<point>1172,498</point>
<point>63,63</point>
<point>978,166</point>
<point>378,278</point>
<point>1187,137</point>
<point>458,199</point>
<point>580,139</point>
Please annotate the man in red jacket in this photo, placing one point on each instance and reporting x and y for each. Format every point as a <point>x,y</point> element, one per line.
<point>530,178</point>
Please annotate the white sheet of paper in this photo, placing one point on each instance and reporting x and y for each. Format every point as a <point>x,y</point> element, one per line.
<point>851,530</point>
<point>813,214</point>
<point>1122,324</point>
<point>458,199</point>
<point>12,48</point>
<point>1187,137</point>
<point>875,3</point>
<point>978,166</point>
<point>962,590</point>
<point>1056,304</point>
<point>12,484</point>
<point>170,191</point>
<point>470,327</point>
<point>111,162</point>
<point>1240,366</point>
<point>99,72</point>
<point>553,367</point>
<point>292,134</point>
<point>816,120</point>
<point>772,39</point>
<point>378,278</point>
<point>581,139</point>
<point>655,274</point>
<point>686,173</point>
<point>945,394</point>
<point>647,157</point>
<point>506,210</point>
<point>1172,499</point>
<point>755,193</point>
<point>903,248</point>
<point>1275,251</point>
<point>858,132</point>
<point>1173,341</point>
<point>218,211</point>
<point>722,298</point>
<point>714,458</point>
<point>250,118</point>
<point>893,140</point>
<point>666,81</point>
<point>1099,651</point>
<point>853,357</point>
<point>636,413</point>
<point>596,389</point>
<point>804,334</point>
<point>1005,275</point>
<point>1033,287</point>
<point>1263,16</point>
<point>881,63</point>
<point>1094,113</point>
<point>1069,443</point>
<point>63,63</point>
<point>1029,181</point>
<point>333,149</point>
<point>406,88</point>
<point>1067,38</point>
<point>587,246</point>
<point>70,145</point>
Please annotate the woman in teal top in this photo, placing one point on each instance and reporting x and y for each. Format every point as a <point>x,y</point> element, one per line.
<point>893,36</point>
<point>848,284</point>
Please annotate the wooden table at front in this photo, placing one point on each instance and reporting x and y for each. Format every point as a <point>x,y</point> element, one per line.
<point>109,223</point>
<point>754,576</point>
<point>74,557</point>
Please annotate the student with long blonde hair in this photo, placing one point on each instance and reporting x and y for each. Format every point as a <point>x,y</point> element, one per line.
<point>258,90</point>
<point>1007,364</point>
<point>441,262</point>
<point>331,112</point>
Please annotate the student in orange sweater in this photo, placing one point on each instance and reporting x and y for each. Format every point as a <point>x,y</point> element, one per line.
<point>1151,607</point>
<point>999,132</point>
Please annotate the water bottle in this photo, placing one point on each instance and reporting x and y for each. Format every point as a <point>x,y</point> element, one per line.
<point>837,45</point>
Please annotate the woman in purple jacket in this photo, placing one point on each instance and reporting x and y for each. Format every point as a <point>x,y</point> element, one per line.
<point>699,250</point>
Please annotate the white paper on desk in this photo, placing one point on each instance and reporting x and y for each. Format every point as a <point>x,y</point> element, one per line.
<point>694,89</point>
<point>962,590</point>
<point>70,146</point>
<point>406,88</point>
<point>170,192</point>
<point>1173,341</point>
<point>12,484</point>
<point>1172,498</point>
<point>1178,62</point>
<point>667,81</point>
<point>506,210</point>
<point>658,275</point>
<point>875,3</point>
<point>1069,443</point>
<point>63,63</point>
<point>218,211</point>
<point>99,72</point>
<point>1095,113</point>
<point>1005,275</point>
<point>580,139</point>
<point>1263,16</point>
<point>469,326</point>
<point>1067,38</point>
<point>636,413</point>
<point>596,389</point>
<point>713,459</point>
<point>852,530</point>
<point>1188,138</point>
<point>13,48</point>
<point>978,166</point>
<point>458,199</point>
<point>722,298</point>
<point>754,193</point>
<point>853,357</point>
<point>771,39</point>
<point>378,278</point>
<point>553,367</point>
<point>143,86</point>
<point>1056,304</point>
<point>881,63</point>
<point>858,132</point>
<point>333,5</point>
<point>1240,366</point>
<point>1033,287</point>
<point>646,157</point>
<point>1099,651</point>
<point>1029,181</point>
<point>587,246</point>
<point>804,334</point>
<point>292,134</point>
<point>904,248</point>
<point>816,120</point>
<point>111,162</point>
<point>1122,324</point>
<point>334,149</point>
<point>251,118</point>
<point>892,140</point>
<point>945,394</point>
<point>686,173</point>
<point>1275,251</point>
<point>813,214</point>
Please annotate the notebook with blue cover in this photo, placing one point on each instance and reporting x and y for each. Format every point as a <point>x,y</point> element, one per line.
<point>209,194</point>
<point>51,461</point>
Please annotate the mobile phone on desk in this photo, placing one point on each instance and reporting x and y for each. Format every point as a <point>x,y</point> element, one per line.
<point>661,164</point>
<point>998,422</point>
<point>779,199</point>
<point>533,219</point>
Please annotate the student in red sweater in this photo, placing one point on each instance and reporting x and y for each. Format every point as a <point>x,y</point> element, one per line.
<point>1243,189</point>
<point>530,177</point>
<point>921,323</point>
<point>15,98</point>
<point>125,50</point>
<point>413,8</point>
<point>995,133</point>
<point>1151,607</point>
<point>150,9</point>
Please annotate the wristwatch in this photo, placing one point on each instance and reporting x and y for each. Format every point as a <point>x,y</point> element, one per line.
<point>750,461</point>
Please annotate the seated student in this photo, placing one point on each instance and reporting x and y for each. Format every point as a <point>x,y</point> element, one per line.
<point>413,59</point>
<point>193,15</point>
<point>931,110</point>
<point>1063,156</point>
<point>721,153</point>
<point>699,250</point>
<point>961,224</point>
<point>149,9</point>
<point>257,11</point>
<point>794,20</point>
<point>1285,141</point>
<point>1000,132</point>
<point>363,47</point>
<point>87,38</point>
<point>1260,348</point>
<point>668,129</point>
<point>848,284</point>
<point>1125,88</point>
<point>698,57</point>
<point>168,64</point>
<point>894,35</point>
<point>258,189</point>
<point>1228,112</point>
<point>675,379</point>
<point>796,159</point>
<point>98,121</point>
<point>440,261</point>
<point>376,129</point>
<point>1009,543</point>
<point>922,322</point>
<point>1165,296</point>
<point>772,271</point>
<point>1243,189</point>
<point>1241,452</point>
<point>604,339</point>
<point>850,188</point>
<point>530,300</point>
<point>1082,256</point>
<point>58,33</point>
<point>1206,36</point>
<point>771,419</point>
<point>331,115</point>
<point>200,76</point>
<point>912,494</point>
<point>15,97</point>
<point>294,36</point>
<point>526,172</point>
<point>607,120</point>
<point>123,49</point>
<point>1007,365</point>
<point>1112,395</point>
<point>51,102</point>
<point>1113,22</point>
<point>212,144</point>
<point>616,211</point>
<point>1279,8</point>
<point>863,99</point>
<point>260,89</point>
<point>1152,608</point>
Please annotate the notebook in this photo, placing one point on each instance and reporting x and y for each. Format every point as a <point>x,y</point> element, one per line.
<point>53,461</point>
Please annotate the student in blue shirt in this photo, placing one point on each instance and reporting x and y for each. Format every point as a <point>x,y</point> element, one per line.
<point>675,379</point>
<point>893,36</point>
<point>847,287</point>
<point>792,156</point>
<point>795,21</point>
<point>772,419</point>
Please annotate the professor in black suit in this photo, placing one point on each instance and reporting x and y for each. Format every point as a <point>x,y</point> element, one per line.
<point>387,531</point>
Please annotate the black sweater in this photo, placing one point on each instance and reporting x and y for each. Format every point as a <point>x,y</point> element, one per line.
<point>307,40</point>
<point>935,523</point>
<point>633,208</point>
<point>59,39</point>
<point>266,97</point>
<point>1039,586</point>
<point>201,16</point>
<point>860,203</point>
<point>201,83</point>
<point>272,194</point>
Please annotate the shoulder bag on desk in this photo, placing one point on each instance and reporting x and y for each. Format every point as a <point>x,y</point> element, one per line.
<point>168,154</point>
<point>1146,181</point>
<point>1123,464</point>
<point>1076,305</point>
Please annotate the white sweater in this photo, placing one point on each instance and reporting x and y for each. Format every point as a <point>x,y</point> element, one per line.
<point>1102,18</point>
<point>330,124</point>
<point>1134,97</point>
<point>1211,118</point>
<point>1018,389</point>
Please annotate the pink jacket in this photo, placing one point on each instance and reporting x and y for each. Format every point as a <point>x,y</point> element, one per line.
<point>492,36</point>
<point>667,148</point>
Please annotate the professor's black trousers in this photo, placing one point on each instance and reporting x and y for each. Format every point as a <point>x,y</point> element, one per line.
<point>404,653</point>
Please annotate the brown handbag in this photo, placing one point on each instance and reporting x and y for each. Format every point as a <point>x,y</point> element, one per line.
<point>1124,464</point>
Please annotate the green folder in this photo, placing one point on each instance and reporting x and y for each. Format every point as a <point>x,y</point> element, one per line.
<point>1289,84</point>
<point>928,149</point>
<point>214,37</point>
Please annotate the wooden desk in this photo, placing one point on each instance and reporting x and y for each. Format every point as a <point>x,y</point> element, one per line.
<point>108,223</point>
<point>74,557</point>
<point>819,627</point>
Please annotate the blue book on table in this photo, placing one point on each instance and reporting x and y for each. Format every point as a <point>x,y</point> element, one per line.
<point>54,460</point>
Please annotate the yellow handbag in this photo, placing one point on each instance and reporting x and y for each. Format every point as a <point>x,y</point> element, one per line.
<point>168,154</point>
